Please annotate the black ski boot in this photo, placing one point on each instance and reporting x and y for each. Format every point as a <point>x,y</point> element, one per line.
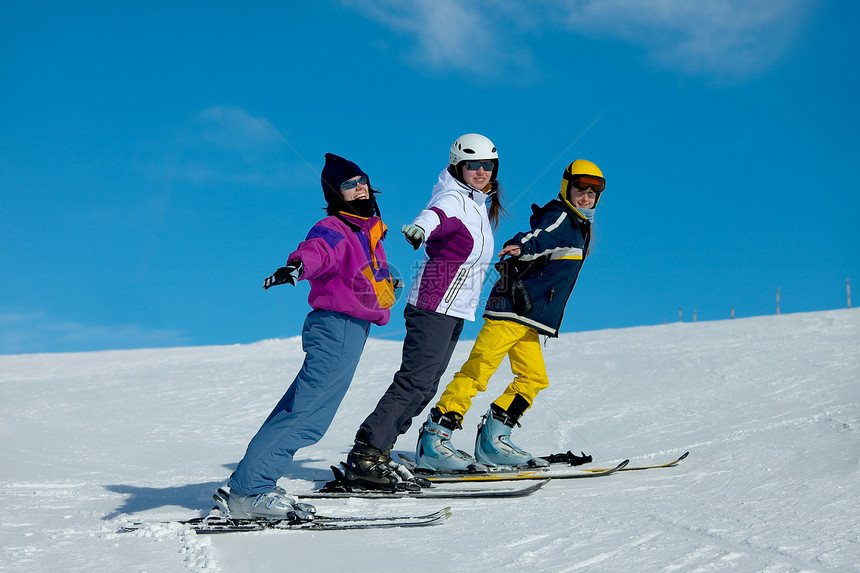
<point>370,468</point>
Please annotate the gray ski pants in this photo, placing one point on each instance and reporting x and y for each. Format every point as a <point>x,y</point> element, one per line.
<point>333,343</point>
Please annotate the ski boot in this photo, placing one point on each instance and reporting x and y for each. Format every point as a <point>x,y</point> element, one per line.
<point>493,446</point>
<point>435,452</point>
<point>274,505</point>
<point>367,467</point>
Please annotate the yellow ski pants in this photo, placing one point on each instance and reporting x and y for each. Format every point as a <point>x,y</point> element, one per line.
<point>497,339</point>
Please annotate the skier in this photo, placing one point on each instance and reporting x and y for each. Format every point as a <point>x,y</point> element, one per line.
<point>455,229</point>
<point>528,300</point>
<point>350,287</point>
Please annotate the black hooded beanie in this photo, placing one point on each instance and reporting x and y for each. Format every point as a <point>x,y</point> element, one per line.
<point>337,170</point>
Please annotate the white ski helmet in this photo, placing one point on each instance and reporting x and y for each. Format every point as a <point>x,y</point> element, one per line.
<point>472,146</point>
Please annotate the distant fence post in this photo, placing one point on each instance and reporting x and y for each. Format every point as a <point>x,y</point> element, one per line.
<point>733,311</point>
<point>848,285</point>
<point>777,300</point>
<point>680,315</point>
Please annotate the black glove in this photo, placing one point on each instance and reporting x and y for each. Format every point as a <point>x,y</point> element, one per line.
<point>397,283</point>
<point>285,275</point>
<point>513,285</point>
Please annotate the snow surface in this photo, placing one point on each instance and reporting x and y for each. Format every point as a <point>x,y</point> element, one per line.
<point>767,406</point>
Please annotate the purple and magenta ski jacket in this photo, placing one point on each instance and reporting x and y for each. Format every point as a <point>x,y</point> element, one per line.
<point>345,264</point>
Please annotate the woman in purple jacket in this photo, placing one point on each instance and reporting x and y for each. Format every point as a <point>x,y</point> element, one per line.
<point>351,288</point>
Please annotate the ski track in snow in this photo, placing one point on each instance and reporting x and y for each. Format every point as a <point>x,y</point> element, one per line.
<point>768,407</point>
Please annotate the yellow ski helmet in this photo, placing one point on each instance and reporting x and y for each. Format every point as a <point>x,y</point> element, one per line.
<point>583,174</point>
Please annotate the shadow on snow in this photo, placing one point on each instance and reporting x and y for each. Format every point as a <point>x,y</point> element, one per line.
<point>195,496</point>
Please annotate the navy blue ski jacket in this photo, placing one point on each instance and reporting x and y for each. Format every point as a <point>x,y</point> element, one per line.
<point>552,253</point>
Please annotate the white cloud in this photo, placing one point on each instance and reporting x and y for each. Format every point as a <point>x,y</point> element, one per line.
<point>234,128</point>
<point>448,32</point>
<point>726,37</point>
<point>228,144</point>
<point>734,37</point>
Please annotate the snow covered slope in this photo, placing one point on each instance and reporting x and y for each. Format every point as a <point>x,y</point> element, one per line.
<point>767,406</point>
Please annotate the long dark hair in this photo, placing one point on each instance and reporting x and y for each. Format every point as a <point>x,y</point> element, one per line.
<point>496,210</point>
<point>495,192</point>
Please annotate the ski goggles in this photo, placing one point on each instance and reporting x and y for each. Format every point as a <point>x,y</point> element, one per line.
<point>352,183</point>
<point>583,182</point>
<point>475,165</point>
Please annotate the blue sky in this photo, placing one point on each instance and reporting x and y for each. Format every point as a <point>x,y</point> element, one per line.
<point>158,160</point>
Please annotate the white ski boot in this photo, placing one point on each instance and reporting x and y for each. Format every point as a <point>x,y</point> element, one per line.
<point>493,445</point>
<point>435,451</point>
<point>273,505</point>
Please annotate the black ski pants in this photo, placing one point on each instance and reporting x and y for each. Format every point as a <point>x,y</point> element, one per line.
<point>427,348</point>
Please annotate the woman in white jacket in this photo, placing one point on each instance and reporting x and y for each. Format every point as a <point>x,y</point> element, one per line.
<point>456,230</point>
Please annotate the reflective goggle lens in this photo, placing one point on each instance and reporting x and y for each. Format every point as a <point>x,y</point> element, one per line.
<point>583,182</point>
<point>475,165</point>
<point>352,183</point>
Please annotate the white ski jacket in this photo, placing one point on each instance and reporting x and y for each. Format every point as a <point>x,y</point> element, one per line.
<point>458,250</point>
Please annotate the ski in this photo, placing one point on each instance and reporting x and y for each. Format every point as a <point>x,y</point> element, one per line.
<point>217,523</point>
<point>337,489</point>
<point>525,472</point>
<point>422,473</point>
<point>529,474</point>
<point>636,468</point>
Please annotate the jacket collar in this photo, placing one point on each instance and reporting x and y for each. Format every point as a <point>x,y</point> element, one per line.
<point>477,196</point>
<point>582,214</point>
<point>358,223</point>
